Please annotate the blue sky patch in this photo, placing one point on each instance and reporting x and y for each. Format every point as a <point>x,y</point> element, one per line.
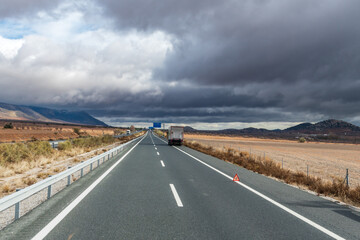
<point>13,30</point>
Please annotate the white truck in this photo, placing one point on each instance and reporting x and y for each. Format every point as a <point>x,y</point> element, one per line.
<point>128,132</point>
<point>175,135</point>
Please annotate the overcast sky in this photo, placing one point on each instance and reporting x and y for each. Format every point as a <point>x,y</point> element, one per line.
<point>211,64</point>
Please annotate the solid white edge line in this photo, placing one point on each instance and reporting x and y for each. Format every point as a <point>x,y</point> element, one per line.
<point>162,163</point>
<point>304,219</point>
<point>176,195</point>
<point>52,224</point>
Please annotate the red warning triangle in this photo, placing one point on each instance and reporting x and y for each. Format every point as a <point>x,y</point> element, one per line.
<point>236,178</point>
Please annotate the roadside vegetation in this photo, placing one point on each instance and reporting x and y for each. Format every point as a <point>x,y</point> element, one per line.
<point>302,140</point>
<point>161,133</point>
<point>8,126</point>
<point>337,188</point>
<point>23,164</point>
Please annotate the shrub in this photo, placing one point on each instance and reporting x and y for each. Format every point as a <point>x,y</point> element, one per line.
<point>8,125</point>
<point>64,146</point>
<point>13,153</point>
<point>132,128</point>
<point>93,141</point>
<point>29,180</point>
<point>77,131</point>
<point>40,148</point>
<point>302,140</point>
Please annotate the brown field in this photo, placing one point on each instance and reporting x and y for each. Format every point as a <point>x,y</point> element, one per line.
<point>326,160</point>
<point>24,131</point>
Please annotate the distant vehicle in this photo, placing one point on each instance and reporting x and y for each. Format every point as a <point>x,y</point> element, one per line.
<point>175,135</point>
<point>128,132</point>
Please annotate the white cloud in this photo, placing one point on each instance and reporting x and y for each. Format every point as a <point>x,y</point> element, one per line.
<point>9,47</point>
<point>68,60</point>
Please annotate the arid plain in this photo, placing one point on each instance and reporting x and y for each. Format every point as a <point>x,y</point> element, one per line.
<point>325,160</point>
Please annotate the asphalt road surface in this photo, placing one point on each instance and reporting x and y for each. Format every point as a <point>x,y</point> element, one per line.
<point>156,191</point>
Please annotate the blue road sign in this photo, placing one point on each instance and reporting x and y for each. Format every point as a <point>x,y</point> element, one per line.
<point>157,125</point>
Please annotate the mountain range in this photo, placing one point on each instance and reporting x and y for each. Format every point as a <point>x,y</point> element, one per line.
<point>330,126</point>
<point>40,114</point>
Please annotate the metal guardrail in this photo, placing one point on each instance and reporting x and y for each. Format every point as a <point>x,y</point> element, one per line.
<point>15,198</point>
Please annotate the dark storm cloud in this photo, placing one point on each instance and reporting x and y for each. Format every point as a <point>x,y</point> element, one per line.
<point>227,61</point>
<point>307,42</point>
<point>204,104</point>
<point>242,41</point>
<point>171,15</point>
<point>300,57</point>
<point>15,8</point>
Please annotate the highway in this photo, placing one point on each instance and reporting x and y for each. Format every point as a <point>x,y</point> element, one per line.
<point>155,191</point>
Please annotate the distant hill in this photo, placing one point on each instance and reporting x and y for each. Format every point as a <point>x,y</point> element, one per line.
<point>231,131</point>
<point>327,126</point>
<point>330,126</point>
<point>39,114</point>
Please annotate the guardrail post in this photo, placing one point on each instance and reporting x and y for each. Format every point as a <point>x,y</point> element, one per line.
<point>82,170</point>
<point>307,170</point>
<point>69,178</point>
<point>17,208</point>
<point>98,162</point>
<point>347,177</point>
<point>90,166</point>
<point>49,192</point>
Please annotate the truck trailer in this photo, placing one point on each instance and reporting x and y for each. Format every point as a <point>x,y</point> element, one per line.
<point>175,135</point>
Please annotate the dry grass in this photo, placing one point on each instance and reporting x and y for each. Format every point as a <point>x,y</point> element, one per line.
<point>29,180</point>
<point>46,131</point>
<point>6,188</point>
<point>267,167</point>
<point>43,175</point>
<point>27,169</point>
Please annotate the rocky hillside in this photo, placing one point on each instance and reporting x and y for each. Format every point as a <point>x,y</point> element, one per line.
<point>39,114</point>
<point>327,126</point>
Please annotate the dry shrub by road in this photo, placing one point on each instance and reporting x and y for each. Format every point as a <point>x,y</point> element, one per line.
<point>336,188</point>
<point>23,164</point>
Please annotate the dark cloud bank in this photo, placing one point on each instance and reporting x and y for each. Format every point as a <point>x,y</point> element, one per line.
<point>252,60</point>
<point>16,8</point>
<point>249,61</point>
